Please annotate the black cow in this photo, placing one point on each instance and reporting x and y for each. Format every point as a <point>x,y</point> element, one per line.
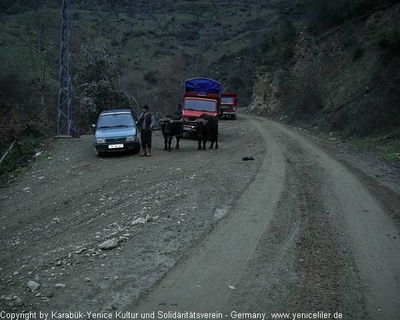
<point>171,129</point>
<point>207,129</point>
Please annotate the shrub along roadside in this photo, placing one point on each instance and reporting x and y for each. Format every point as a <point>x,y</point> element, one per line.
<point>22,153</point>
<point>388,41</point>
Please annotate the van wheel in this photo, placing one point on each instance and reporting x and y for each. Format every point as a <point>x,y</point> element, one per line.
<point>97,153</point>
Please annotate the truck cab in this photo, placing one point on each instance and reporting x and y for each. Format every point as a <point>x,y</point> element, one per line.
<point>229,103</point>
<point>200,96</point>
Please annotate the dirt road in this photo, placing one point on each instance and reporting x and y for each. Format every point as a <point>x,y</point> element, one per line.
<point>297,230</point>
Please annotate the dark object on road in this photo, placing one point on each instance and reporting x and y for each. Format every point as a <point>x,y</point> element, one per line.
<point>172,127</point>
<point>75,133</point>
<point>248,158</point>
<point>207,129</point>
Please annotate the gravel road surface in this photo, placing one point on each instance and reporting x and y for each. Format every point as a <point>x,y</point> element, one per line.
<point>302,228</point>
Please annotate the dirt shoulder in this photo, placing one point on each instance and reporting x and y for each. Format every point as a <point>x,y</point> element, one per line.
<point>57,213</point>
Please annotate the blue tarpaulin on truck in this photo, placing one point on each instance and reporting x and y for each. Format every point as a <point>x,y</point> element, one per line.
<point>202,85</point>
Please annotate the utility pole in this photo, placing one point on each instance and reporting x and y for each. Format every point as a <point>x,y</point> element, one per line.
<point>64,109</point>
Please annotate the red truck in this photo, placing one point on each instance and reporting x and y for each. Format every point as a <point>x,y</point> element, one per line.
<point>200,96</point>
<point>229,102</point>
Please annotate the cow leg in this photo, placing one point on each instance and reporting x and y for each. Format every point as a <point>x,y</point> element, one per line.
<point>165,144</point>
<point>216,141</point>
<point>211,145</point>
<point>177,143</point>
<point>199,144</point>
<point>204,144</point>
<point>169,143</point>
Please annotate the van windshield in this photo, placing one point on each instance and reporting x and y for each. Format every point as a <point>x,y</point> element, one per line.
<point>115,121</point>
<point>201,105</point>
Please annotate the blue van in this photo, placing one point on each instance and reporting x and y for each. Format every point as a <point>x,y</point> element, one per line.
<point>116,131</point>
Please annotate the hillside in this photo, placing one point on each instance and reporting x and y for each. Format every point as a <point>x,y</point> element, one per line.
<point>160,43</point>
<point>344,79</point>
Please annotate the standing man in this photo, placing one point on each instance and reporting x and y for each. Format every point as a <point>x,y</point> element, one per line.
<point>146,124</point>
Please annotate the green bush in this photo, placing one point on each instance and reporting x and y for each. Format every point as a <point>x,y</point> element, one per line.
<point>128,33</point>
<point>236,82</point>
<point>358,53</point>
<point>21,153</point>
<point>153,33</point>
<point>389,39</point>
<point>189,35</point>
<point>130,12</point>
<point>360,7</point>
<point>366,116</point>
<point>289,31</point>
<point>150,77</point>
<point>9,164</point>
<point>323,14</point>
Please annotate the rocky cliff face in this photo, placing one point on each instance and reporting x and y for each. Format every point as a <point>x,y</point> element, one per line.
<point>266,92</point>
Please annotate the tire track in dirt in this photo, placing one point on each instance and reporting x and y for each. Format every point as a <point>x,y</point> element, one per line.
<point>368,237</point>
<point>307,254</point>
<point>298,265</point>
<point>201,282</point>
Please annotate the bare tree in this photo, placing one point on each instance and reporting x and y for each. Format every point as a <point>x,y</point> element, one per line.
<point>39,36</point>
<point>98,84</point>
